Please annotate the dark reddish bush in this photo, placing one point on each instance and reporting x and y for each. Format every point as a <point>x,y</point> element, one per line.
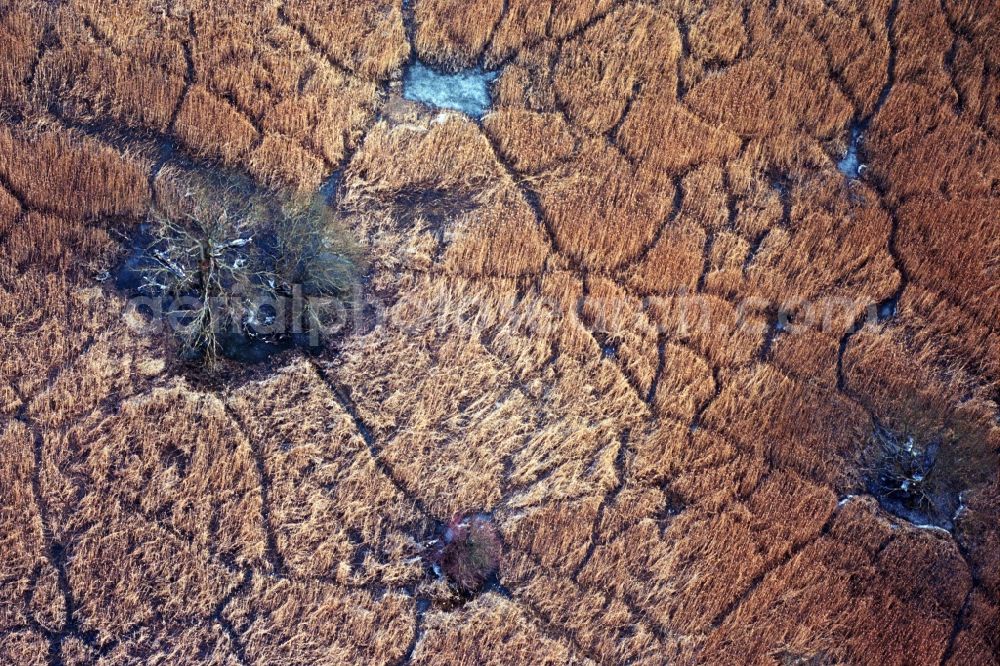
<point>468,553</point>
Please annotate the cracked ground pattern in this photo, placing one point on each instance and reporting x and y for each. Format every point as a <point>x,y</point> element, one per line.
<point>635,314</point>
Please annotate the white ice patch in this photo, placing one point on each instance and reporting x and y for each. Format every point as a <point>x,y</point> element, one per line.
<point>932,528</point>
<point>846,499</point>
<point>466,91</point>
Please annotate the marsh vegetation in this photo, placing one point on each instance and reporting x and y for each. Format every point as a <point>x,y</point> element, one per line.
<point>234,270</point>
<point>664,491</point>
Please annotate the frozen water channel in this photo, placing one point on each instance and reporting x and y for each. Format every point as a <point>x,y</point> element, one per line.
<point>850,165</point>
<point>466,91</point>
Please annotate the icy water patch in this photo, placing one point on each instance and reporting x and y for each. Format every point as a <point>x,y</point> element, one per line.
<point>466,91</point>
<point>850,164</point>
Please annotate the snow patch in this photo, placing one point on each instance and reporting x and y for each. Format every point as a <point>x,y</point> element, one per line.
<point>466,91</point>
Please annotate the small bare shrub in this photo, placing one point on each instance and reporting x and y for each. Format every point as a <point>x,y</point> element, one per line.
<point>469,553</point>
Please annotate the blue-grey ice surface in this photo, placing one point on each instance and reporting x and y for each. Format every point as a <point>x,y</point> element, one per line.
<point>467,90</point>
<point>850,166</point>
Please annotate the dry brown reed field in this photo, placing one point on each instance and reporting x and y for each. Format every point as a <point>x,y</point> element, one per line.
<point>722,399</point>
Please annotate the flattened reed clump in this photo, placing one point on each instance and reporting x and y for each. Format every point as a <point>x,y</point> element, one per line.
<point>468,553</point>
<point>239,272</point>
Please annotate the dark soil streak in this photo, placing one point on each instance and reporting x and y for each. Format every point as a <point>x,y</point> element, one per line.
<point>255,120</point>
<point>18,196</point>
<point>312,42</point>
<point>949,65</point>
<point>959,622</point>
<point>661,363</point>
<point>700,413</point>
<point>330,189</point>
<point>227,626</point>
<point>685,53</point>
<point>20,217</point>
<point>100,36</point>
<point>29,595</point>
<point>572,34</point>
<point>409,14</point>
<point>530,197</point>
<point>418,631</point>
<point>50,39</point>
<point>890,76</point>
<point>543,621</point>
<point>755,246</point>
<point>190,74</point>
<point>345,401</point>
<point>611,496</point>
<point>670,219</point>
<point>893,234</point>
<point>866,316</point>
<point>55,551</point>
<point>660,631</point>
<point>833,72</point>
<point>956,628</point>
<point>554,632</point>
<point>505,8</point>
<point>959,33</point>
<point>793,551</point>
<point>842,14</point>
<point>612,134</point>
<point>273,554</point>
<point>706,261</point>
